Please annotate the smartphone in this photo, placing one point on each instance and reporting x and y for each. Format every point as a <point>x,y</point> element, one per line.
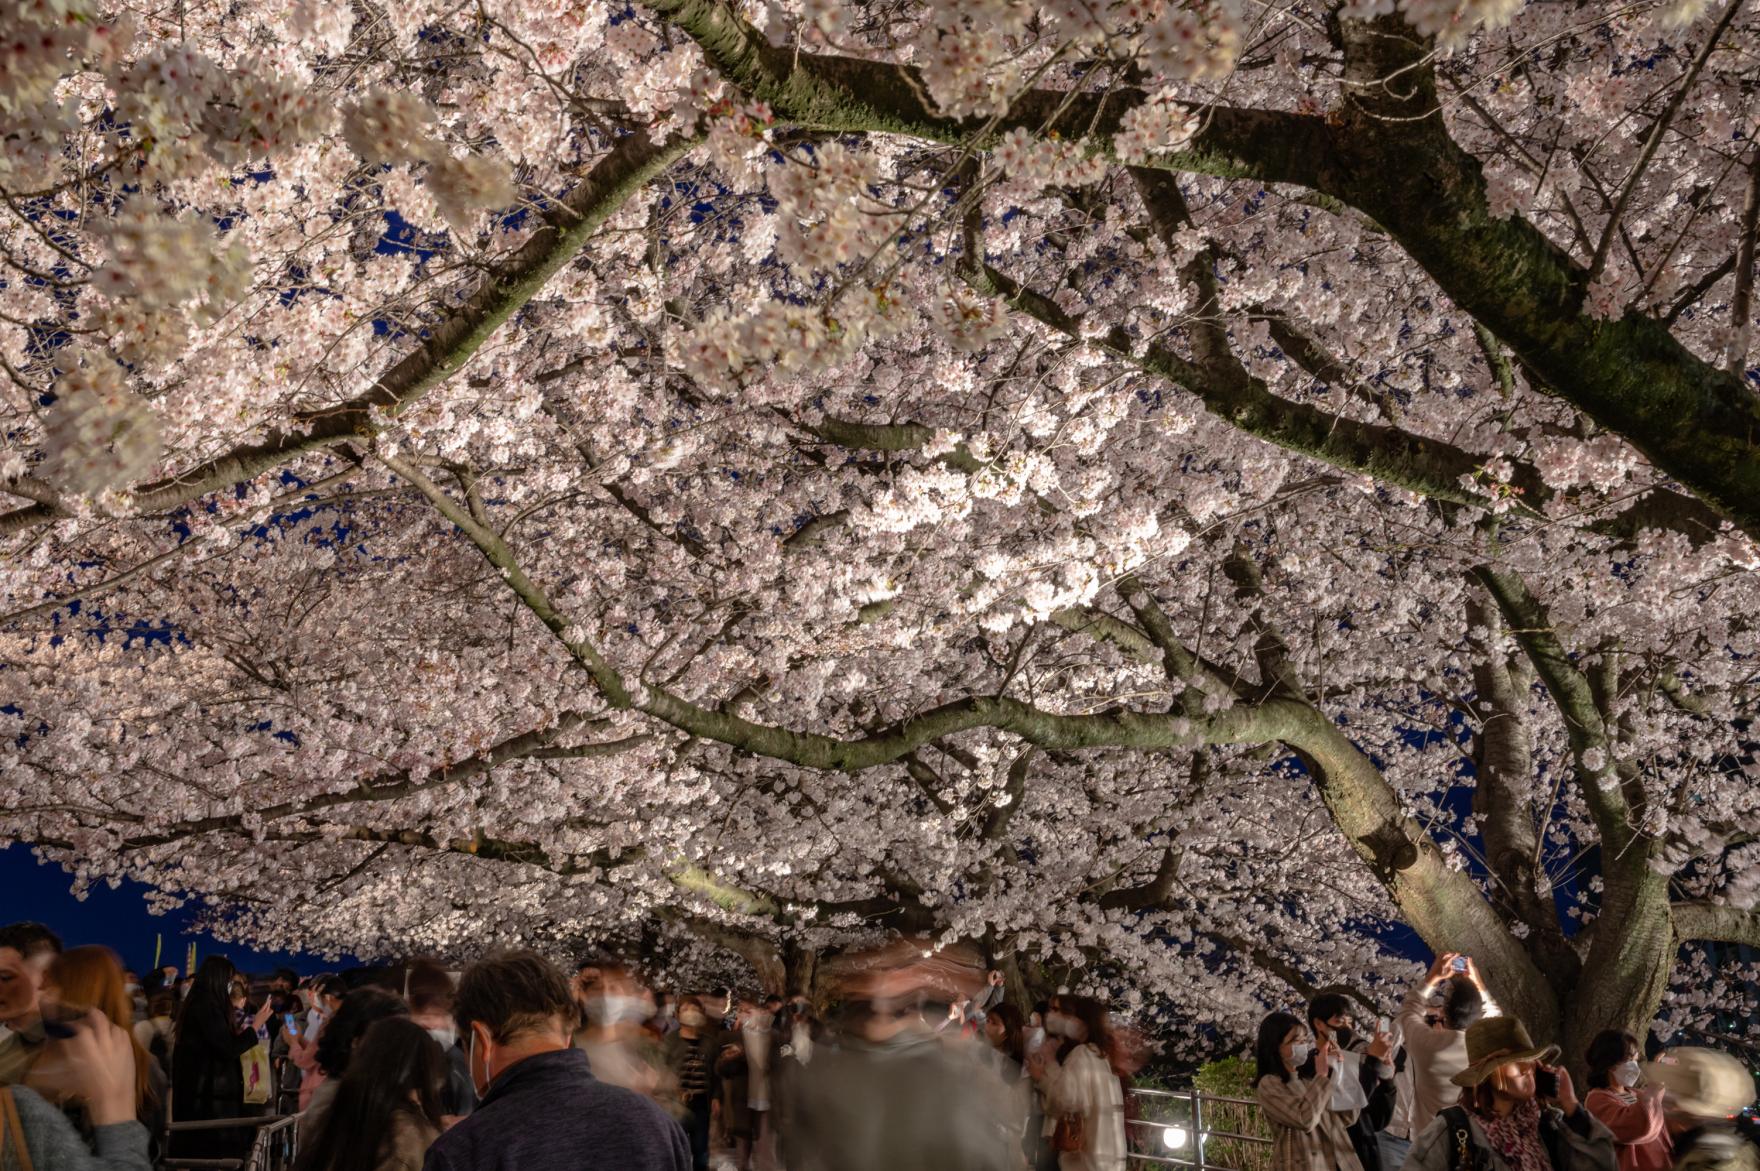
<point>292,1022</point>
<point>1383,1025</point>
<point>1460,963</point>
<point>1545,1083</point>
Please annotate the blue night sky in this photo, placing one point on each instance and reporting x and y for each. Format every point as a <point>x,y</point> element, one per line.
<point>119,919</point>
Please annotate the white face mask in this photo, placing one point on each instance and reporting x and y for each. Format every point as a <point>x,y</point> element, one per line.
<point>1627,1073</point>
<point>1059,1025</point>
<point>615,1010</point>
<point>692,1018</point>
<point>1035,1037</point>
<point>447,1036</point>
<point>1300,1052</point>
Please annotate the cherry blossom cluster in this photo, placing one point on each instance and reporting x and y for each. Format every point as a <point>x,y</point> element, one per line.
<point>98,434</point>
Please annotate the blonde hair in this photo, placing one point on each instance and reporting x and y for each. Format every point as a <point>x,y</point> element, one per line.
<point>91,978</point>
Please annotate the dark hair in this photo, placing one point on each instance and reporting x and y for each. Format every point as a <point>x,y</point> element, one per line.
<point>1327,1005</point>
<point>360,1009</point>
<point>397,1060</point>
<point>1462,1003</point>
<point>428,987</point>
<point>330,986</point>
<point>512,993</point>
<point>1609,1048</point>
<point>1092,1014</point>
<point>210,992</point>
<point>1012,1022</point>
<point>29,939</point>
<point>287,974</point>
<point>1268,1046</point>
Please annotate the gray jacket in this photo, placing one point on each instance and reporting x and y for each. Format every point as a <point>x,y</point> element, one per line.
<point>1577,1143</point>
<point>55,1145</point>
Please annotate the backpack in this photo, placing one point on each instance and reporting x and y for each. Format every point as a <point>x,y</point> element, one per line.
<point>1463,1153</point>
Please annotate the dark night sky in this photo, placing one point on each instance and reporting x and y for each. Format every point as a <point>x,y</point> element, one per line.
<point>119,920</point>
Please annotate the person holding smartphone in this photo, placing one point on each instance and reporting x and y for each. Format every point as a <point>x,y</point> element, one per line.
<point>1433,1021</point>
<point>1517,1112</point>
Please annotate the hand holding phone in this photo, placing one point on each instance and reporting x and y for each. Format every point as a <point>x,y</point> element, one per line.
<point>1460,963</point>
<point>1545,1082</point>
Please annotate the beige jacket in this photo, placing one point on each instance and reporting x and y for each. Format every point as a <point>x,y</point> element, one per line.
<point>1433,1057</point>
<point>1306,1133</point>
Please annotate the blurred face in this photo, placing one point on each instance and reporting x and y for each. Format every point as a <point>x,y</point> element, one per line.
<point>21,985</point>
<point>1295,1046</point>
<point>1514,1081</point>
<point>1337,1021</point>
<point>994,1030</point>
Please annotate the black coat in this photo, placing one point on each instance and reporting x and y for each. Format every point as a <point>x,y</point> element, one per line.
<point>207,1079</point>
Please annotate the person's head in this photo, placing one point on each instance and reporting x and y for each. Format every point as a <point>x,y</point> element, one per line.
<point>162,1004</point>
<point>396,1068</point>
<point>84,979</point>
<point>511,1007</point>
<point>1078,1020</point>
<point>1002,1029</point>
<point>26,951</point>
<point>1329,1016</point>
<point>1501,1062</point>
<point>328,994</point>
<point>773,1004</point>
<point>691,1014</point>
<point>1612,1060</point>
<point>1462,1004</point>
<point>429,990</point>
<point>360,1010</point>
<point>614,998</point>
<point>1281,1047</point>
<point>211,988</point>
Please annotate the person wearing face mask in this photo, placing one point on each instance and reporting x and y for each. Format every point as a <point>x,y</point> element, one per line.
<point>429,991</point>
<point>618,1047</point>
<point>541,1108</point>
<point>1631,1110</point>
<point>1084,1100</point>
<point>690,1054</point>
<point>1306,1133</point>
<point>1363,1088</point>
<point>1517,1112</point>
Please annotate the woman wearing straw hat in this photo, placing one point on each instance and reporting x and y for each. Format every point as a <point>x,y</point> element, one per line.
<point>1517,1112</point>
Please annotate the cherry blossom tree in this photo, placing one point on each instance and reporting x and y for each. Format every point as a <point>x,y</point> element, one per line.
<point>1160,492</point>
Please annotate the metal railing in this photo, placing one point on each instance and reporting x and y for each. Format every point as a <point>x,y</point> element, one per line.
<point>273,1147</point>
<point>1189,1128</point>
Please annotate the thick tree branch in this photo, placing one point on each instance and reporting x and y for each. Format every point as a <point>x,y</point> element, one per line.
<point>631,163</point>
<point>1714,923</point>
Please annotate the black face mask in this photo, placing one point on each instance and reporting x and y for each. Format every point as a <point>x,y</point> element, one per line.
<point>1344,1038</point>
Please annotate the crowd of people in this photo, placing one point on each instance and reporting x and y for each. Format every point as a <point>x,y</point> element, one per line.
<point>922,1063</point>
<point>1451,1084</point>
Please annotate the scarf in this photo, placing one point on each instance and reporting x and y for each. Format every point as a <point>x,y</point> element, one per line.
<point>1516,1137</point>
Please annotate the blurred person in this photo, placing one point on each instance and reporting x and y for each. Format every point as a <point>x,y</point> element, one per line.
<point>137,997</point>
<point>91,1064</point>
<point>429,990</point>
<point>1704,1094</point>
<point>1362,1087</point>
<point>1084,1100</point>
<point>342,1036</point>
<point>618,1048</point>
<point>690,1053</point>
<point>1630,1109</point>
<point>1307,1134</point>
<point>154,1034</point>
<point>1516,1112</point>
<point>889,1095</point>
<point>386,1110</point>
<point>207,1080</point>
<point>325,997</point>
<point>1435,1034</point>
<point>801,1027</point>
<point>541,1109</point>
<point>26,951</point>
<point>733,1090</point>
<point>83,979</point>
<point>757,1035</point>
<point>1005,1052</point>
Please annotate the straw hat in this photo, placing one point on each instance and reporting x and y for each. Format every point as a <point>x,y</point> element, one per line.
<point>1702,1082</point>
<point>1497,1041</point>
